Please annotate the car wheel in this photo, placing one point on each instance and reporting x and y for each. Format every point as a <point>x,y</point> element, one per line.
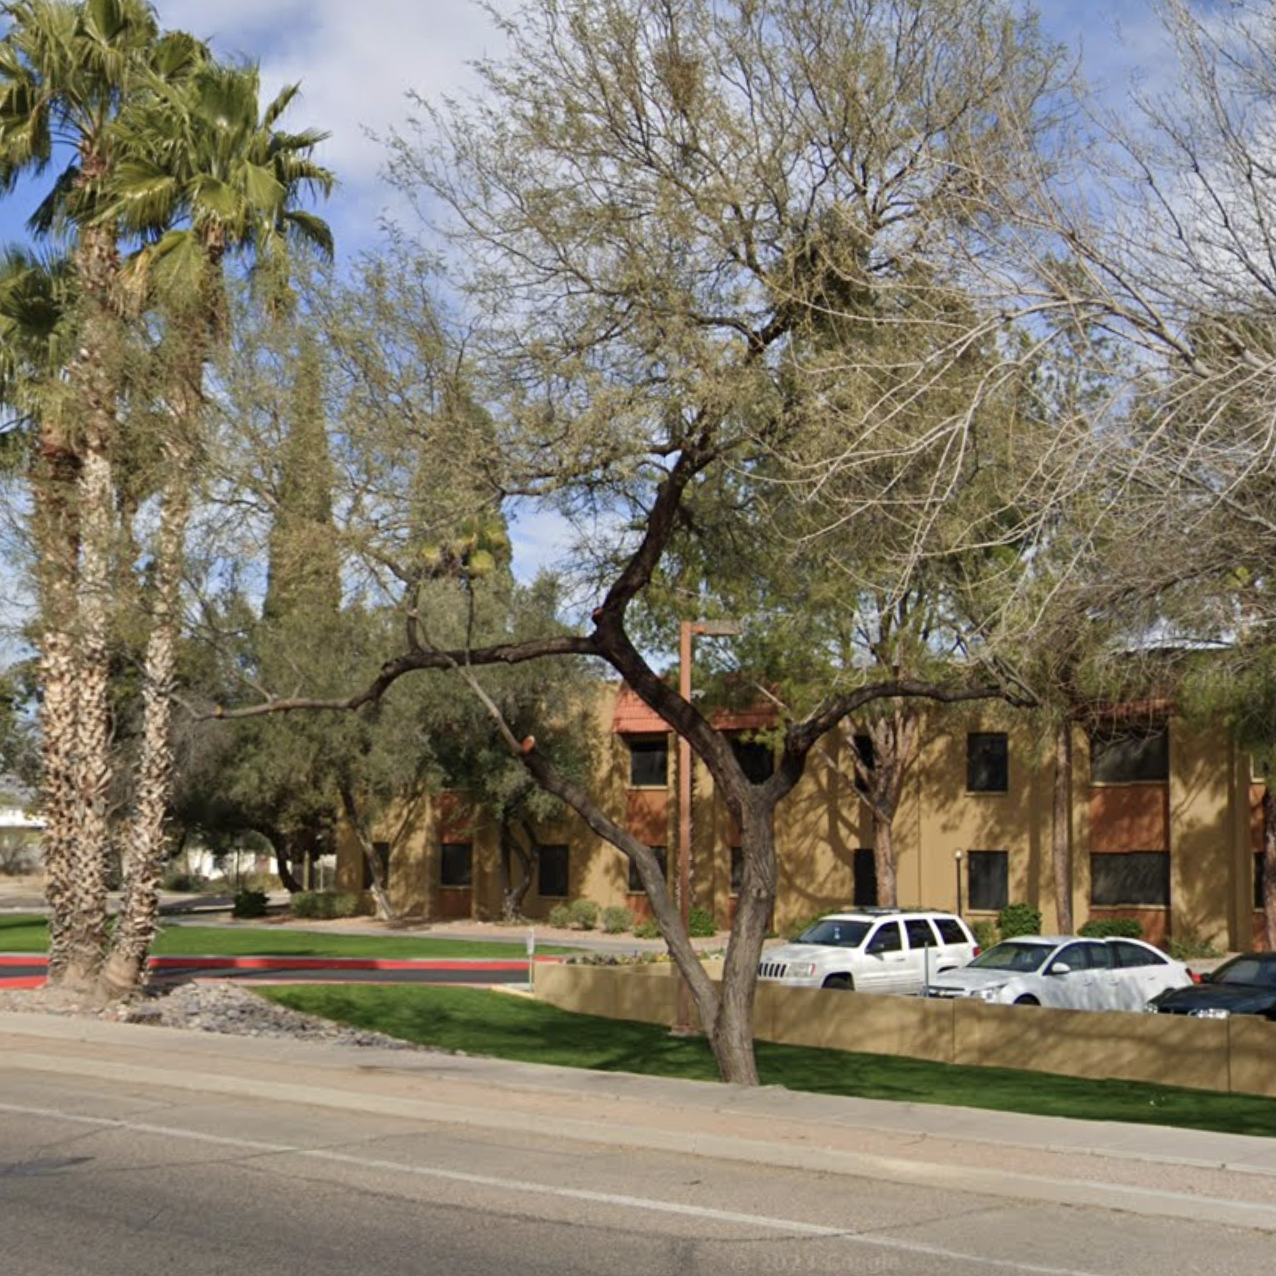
<point>1026,1001</point>
<point>843,983</point>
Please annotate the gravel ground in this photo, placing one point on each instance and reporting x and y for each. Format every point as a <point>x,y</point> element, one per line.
<point>214,1005</point>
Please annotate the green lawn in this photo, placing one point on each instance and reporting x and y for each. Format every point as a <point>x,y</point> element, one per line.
<point>29,934</point>
<point>480,1022</point>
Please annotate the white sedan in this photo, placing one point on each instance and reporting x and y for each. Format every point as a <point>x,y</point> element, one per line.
<point>1067,972</point>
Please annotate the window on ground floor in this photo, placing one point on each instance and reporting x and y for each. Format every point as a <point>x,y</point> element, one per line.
<point>988,880</point>
<point>737,868</point>
<point>864,878</point>
<point>551,872</point>
<point>455,864</point>
<point>382,851</point>
<point>1130,878</point>
<point>635,882</point>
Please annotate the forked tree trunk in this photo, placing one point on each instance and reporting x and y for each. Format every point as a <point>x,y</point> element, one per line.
<point>1061,833</point>
<point>513,892</point>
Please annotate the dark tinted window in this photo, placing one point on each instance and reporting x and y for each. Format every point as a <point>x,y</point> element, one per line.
<point>635,882</point>
<point>988,874</point>
<point>864,747</point>
<point>1127,955</point>
<point>950,931</point>
<point>551,872</point>
<point>1247,970</point>
<point>737,869</point>
<point>455,864</point>
<point>987,762</point>
<point>886,939</point>
<point>864,889</point>
<point>756,760</point>
<point>1130,755</point>
<point>920,934</point>
<point>649,763</point>
<point>1133,877</point>
<point>1258,879</point>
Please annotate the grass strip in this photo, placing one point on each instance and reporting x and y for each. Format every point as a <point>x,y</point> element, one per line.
<point>28,933</point>
<point>481,1022</point>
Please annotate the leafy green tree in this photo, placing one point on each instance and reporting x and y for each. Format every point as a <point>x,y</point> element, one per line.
<point>650,202</point>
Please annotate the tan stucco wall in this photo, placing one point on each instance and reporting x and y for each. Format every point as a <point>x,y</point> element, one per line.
<point>1234,1055</point>
<point>821,824</point>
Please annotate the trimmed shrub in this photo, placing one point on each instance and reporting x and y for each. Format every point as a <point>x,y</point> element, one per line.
<point>985,934</point>
<point>1189,946</point>
<point>701,923</point>
<point>1112,928</point>
<point>325,905</point>
<point>560,917</point>
<point>648,929</point>
<point>617,919</point>
<point>249,904</point>
<point>1019,919</point>
<point>584,914</point>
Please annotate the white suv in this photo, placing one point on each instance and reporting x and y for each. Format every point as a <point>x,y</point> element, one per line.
<point>872,950</point>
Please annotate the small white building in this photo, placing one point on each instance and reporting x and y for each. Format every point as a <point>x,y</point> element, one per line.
<point>21,849</point>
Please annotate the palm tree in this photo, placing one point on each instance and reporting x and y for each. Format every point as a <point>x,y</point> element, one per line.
<point>65,68</point>
<point>203,174</point>
<point>34,330</point>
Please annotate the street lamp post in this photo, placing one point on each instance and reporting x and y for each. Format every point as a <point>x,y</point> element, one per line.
<point>957,860</point>
<point>688,630</point>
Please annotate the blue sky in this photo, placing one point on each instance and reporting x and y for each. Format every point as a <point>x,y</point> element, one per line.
<point>357,63</point>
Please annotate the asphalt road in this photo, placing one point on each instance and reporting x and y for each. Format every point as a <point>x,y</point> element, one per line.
<point>126,1150</point>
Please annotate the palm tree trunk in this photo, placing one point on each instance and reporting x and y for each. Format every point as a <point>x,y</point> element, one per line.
<point>146,852</point>
<point>56,534</point>
<point>85,900</point>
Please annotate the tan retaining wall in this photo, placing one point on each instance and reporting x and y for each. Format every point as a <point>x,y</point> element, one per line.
<point>1237,1054</point>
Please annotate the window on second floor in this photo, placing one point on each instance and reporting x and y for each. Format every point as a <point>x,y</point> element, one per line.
<point>755,758</point>
<point>987,762</point>
<point>649,762</point>
<point>1129,755</point>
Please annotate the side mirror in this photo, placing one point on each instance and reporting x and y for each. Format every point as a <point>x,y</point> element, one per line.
<point>1061,968</point>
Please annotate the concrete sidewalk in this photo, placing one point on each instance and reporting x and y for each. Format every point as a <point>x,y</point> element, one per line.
<point>1150,1169</point>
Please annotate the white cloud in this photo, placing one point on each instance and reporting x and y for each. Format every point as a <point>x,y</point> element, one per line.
<point>356,65</point>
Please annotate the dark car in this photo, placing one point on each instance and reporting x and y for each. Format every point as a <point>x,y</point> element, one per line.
<point>1246,985</point>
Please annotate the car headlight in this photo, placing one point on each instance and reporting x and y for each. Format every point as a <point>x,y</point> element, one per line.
<point>1151,1008</point>
<point>1211,1012</point>
<point>801,969</point>
<point>992,993</point>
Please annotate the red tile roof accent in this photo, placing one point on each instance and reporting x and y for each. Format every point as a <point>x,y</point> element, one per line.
<point>632,717</point>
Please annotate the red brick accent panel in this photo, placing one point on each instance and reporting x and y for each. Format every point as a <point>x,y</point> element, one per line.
<point>647,815</point>
<point>1129,817</point>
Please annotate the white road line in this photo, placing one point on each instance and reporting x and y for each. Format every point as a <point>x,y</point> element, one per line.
<point>790,1226</point>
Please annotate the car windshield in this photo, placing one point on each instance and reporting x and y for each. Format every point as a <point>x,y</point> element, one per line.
<point>1013,956</point>
<point>1247,970</point>
<point>836,932</point>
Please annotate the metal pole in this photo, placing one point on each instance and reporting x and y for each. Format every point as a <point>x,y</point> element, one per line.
<point>682,1013</point>
<point>957,859</point>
